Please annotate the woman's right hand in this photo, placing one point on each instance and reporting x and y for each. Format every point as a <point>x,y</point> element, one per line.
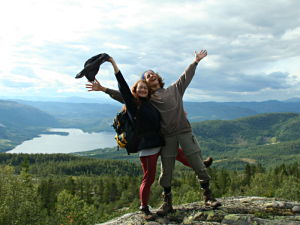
<point>95,86</point>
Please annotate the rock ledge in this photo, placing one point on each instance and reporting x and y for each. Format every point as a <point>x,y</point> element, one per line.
<point>234,211</point>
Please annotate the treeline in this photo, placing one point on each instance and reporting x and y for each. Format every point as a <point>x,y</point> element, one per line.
<point>66,164</point>
<point>82,196</point>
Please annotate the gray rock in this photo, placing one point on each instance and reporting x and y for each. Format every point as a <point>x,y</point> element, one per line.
<point>152,223</point>
<point>281,205</point>
<point>234,211</point>
<point>296,209</point>
<point>162,220</point>
<point>235,219</point>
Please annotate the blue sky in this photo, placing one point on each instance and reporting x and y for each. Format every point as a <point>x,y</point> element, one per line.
<point>253,46</point>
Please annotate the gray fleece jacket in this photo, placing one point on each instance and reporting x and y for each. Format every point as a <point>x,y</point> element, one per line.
<point>169,103</point>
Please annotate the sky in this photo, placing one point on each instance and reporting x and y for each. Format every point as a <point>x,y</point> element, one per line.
<point>253,46</point>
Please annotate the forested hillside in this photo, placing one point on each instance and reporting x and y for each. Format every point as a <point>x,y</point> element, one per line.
<point>270,139</point>
<point>20,122</point>
<point>255,130</point>
<point>64,189</point>
<point>270,106</point>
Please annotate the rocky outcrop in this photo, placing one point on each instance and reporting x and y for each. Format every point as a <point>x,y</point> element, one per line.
<point>234,211</point>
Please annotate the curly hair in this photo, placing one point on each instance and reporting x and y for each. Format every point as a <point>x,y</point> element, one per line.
<point>160,79</point>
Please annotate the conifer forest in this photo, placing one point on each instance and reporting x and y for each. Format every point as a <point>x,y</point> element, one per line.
<point>66,189</point>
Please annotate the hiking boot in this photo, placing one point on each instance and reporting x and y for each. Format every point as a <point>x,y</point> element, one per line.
<point>166,207</point>
<point>207,162</point>
<point>147,214</point>
<point>209,200</point>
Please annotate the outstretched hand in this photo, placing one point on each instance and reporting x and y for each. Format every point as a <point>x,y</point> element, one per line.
<point>200,55</point>
<point>95,86</point>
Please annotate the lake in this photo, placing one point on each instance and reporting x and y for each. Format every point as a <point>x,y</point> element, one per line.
<point>75,141</point>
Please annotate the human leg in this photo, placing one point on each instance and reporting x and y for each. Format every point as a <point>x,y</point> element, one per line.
<point>149,169</point>
<point>208,197</point>
<point>191,149</point>
<point>167,166</point>
<point>183,159</point>
<point>192,152</point>
<point>168,155</point>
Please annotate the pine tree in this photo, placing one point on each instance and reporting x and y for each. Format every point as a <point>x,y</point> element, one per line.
<point>71,210</point>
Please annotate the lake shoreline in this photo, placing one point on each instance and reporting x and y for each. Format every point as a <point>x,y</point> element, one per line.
<point>65,140</point>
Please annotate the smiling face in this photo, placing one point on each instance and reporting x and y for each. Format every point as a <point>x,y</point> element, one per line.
<point>142,90</point>
<point>151,78</point>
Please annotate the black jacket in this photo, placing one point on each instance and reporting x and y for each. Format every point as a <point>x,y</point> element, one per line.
<point>92,66</point>
<point>149,117</point>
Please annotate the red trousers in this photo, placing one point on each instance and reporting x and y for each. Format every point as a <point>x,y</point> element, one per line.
<point>149,169</point>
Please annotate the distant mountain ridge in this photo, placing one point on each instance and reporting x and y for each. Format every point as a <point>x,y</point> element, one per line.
<point>199,111</point>
<point>269,106</point>
<point>21,115</point>
<point>90,117</point>
<point>293,100</point>
<point>98,117</point>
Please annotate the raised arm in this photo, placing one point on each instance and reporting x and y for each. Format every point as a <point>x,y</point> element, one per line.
<point>124,95</point>
<point>114,64</point>
<point>95,85</point>
<point>186,78</point>
<point>124,89</point>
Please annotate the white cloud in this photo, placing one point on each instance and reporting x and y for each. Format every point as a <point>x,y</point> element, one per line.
<point>292,34</point>
<point>213,61</point>
<point>44,44</point>
<point>115,46</point>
